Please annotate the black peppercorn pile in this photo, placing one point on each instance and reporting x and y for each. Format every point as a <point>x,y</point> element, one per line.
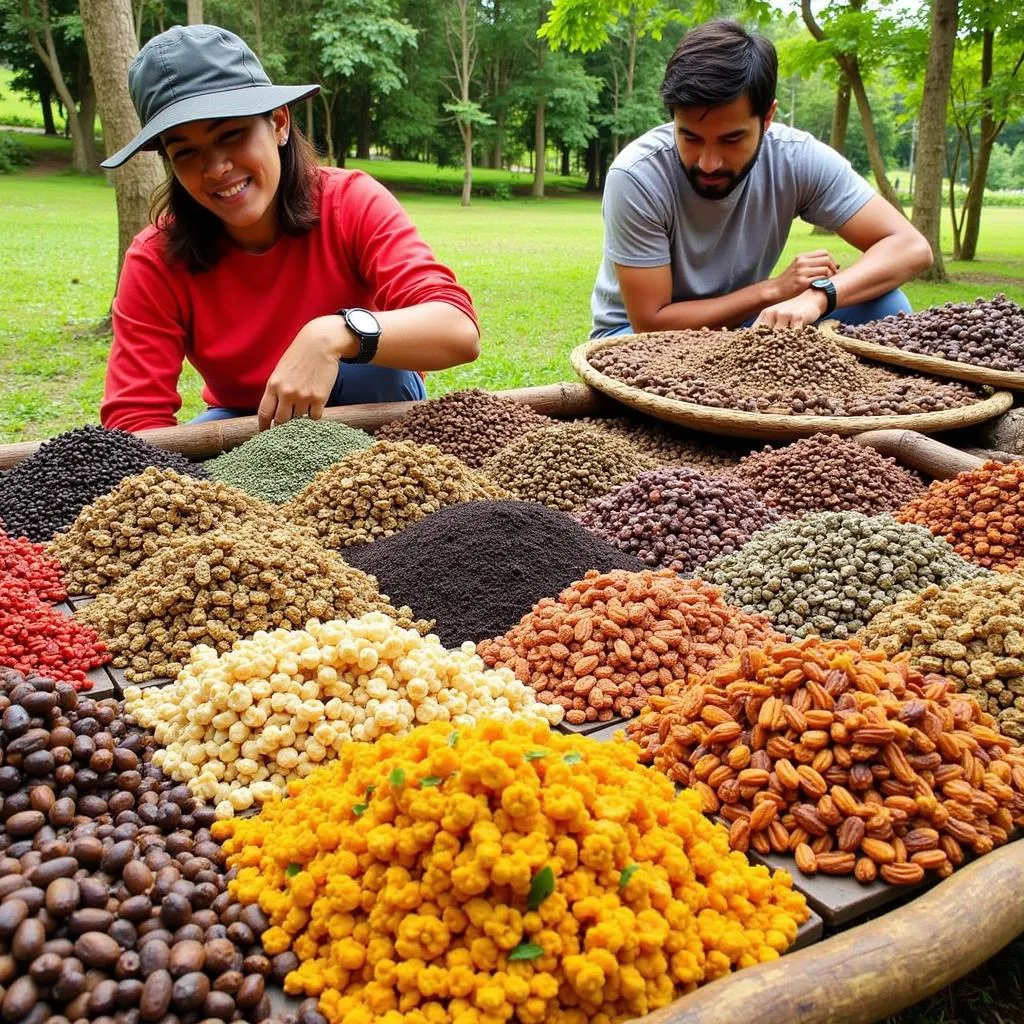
<point>478,568</point>
<point>678,518</point>
<point>113,896</point>
<point>782,372</point>
<point>471,425</point>
<point>986,332</point>
<point>45,492</point>
<point>826,473</point>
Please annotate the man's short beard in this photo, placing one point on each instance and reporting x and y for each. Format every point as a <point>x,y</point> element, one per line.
<point>731,180</point>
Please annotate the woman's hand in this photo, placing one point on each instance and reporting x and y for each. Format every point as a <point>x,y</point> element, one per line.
<point>304,376</point>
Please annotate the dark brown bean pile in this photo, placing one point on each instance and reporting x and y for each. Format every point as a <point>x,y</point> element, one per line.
<point>986,332</point>
<point>780,372</point>
<point>113,899</point>
<point>471,425</point>
<point>678,518</point>
<point>43,493</point>
<point>478,568</point>
<point>826,473</point>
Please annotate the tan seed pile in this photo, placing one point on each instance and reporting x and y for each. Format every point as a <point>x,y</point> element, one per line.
<point>222,586</point>
<point>670,445</point>
<point>116,533</point>
<point>565,466</point>
<point>381,490</point>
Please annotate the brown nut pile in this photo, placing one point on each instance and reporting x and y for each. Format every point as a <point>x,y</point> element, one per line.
<point>980,512</point>
<point>986,332</point>
<point>565,466</point>
<point>116,533</point>
<point>113,896</point>
<point>677,517</point>
<point>612,640</point>
<point>790,371</point>
<point>827,473</point>
<point>221,586</point>
<point>971,632</point>
<point>856,764</point>
<point>381,490</point>
<point>471,425</point>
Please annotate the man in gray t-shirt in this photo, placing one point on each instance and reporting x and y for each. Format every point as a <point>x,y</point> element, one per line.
<point>697,211</point>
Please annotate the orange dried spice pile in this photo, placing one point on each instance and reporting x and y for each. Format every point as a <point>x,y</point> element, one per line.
<point>856,764</point>
<point>612,640</point>
<point>500,873</point>
<point>980,513</point>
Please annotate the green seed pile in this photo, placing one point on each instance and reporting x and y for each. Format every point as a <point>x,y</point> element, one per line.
<point>972,632</point>
<point>274,465</point>
<point>670,445</point>
<point>830,573</point>
<point>471,425</point>
<point>381,490</point>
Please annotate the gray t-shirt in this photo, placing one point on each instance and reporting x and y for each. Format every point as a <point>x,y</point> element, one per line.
<point>653,217</point>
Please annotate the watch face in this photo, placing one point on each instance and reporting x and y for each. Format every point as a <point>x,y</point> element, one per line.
<point>362,321</point>
<point>821,282</point>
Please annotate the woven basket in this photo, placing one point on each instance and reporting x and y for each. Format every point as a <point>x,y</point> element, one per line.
<point>970,372</point>
<point>771,426</point>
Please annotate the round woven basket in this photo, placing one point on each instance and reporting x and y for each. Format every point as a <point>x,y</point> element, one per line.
<point>970,372</point>
<point>771,426</point>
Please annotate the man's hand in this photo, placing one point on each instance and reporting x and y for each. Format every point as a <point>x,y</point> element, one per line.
<point>807,267</point>
<point>806,308</point>
<point>304,376</point>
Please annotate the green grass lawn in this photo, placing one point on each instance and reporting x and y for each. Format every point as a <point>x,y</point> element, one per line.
<point>15,107</point>
<point>529,264</point>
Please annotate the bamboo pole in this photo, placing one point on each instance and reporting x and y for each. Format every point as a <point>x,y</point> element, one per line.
<point>918,451</point>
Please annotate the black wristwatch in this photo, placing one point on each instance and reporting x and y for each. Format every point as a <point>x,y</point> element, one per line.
<point>366,327</point>
<point>823,284</point>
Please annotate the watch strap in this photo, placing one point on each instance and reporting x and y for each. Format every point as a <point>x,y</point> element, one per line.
<point>825,286</point>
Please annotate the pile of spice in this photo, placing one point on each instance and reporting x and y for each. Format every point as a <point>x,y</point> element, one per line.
<point>565,466</point>
<point>26,569</point>
<point>979,512</point>
<point>971,632</point>
<point>827,473</point>
<point>986,332</point>
<point>830,573</point>
<point>855,764</point>
<point>118,532</point>
<point>677,517</point>
<point>670,445</point>
<point>790,371</point>
<point>115,902</point>
<point>296,698</point>
<point>222,586</point>
<point>486,926</point>
<point>476,569</point>
<point>471,425</point>
<point>611,641</point>
<point>385,488</point>
<point>45,492</point>
<point>275,464</point>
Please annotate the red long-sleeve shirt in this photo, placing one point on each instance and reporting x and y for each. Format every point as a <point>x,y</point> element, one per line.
<point>234,322</point>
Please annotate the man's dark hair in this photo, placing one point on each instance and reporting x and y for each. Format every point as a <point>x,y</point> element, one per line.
<point>717,63</point>
<point>195,236</point>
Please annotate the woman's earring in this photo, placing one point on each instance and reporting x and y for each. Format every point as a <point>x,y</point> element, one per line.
<point>283,142</point>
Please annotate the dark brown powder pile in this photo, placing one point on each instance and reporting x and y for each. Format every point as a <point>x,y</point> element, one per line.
<point>478,568</point>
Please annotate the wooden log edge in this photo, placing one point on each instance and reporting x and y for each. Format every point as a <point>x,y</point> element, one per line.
<point>881,967</point>
<point>918,451</point>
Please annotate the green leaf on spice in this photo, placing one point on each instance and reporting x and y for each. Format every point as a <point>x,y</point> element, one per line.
<point>542,886</point>
<point>292,870</point>
<point>526,951</point>
<point>453,739</point>
<point>535,755</point>
<point>359,810</point>
<point>573,757</point>
<point>370,791</point>
<point>397,777</point>
<point>627,874</point>
<point>430,780</point>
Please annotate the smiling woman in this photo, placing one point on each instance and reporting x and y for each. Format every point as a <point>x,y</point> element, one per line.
<point>288,286</point>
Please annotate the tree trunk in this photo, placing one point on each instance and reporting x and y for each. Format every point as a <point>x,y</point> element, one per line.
<point>87,117</point>
<point>44,87</point>
<point>593,161</point>
<point>364,129</point>
<point>498,152</point>
<point>195,12</point>
<point>467,157</point>
<point>931,140</point>
<point>851,69</point>
<point>837,135</point>
<point>566,168</point>
<point>328,123</point>
<point>988,132</point>
<point>540,145</point>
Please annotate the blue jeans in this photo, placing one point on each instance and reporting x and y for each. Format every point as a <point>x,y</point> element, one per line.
<point>357,384</point>
<point>888,304</point>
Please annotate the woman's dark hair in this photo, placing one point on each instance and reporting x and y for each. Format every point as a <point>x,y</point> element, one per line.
<point>195,235</point>
<point>717,63</point>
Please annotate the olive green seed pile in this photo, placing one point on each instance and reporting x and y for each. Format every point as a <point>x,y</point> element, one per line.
<point>471,425</point>
<point>384,488</point>
<point>275,464</point>
<point>971,632</point>
<point>564,466</point>
<point>830,573</point>
<point>222,586</point>
<point>790,371</point>
<point>117,532</point>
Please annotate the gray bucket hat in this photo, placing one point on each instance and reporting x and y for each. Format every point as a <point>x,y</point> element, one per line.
<point>197,72</point>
